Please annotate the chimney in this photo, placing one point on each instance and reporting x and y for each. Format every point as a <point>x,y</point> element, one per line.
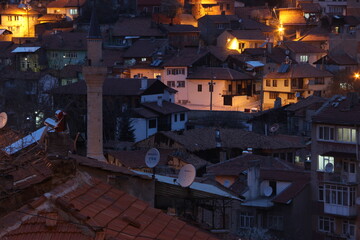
<point>159,101</point>
<point>269,47</point>
<point>253,180</point>
<point>94,76</point>
<point>144,83</point>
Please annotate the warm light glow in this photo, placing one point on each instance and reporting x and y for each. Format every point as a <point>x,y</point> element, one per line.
<point>228,40</point>
<point>281,28</point>
<point>233,44</point>
<point>357,75</point>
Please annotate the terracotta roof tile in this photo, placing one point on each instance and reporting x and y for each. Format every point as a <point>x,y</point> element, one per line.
<point>180,28</point>
<point>302,70</point>
<point>301,47</point>
<point>75,41</point>
<point>219,73</point>
<point>186,57</point>
<point>248,34</point>
<point>145,48</point>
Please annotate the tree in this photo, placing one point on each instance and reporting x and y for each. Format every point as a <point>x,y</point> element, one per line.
<point>126,130</point>
<point>172,8</point>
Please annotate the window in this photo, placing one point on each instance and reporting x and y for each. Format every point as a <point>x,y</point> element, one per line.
<point>73,11</point>
<point>70,55</point>
<point>323,160</point>
<point>339,195</point>
<point>182,116</point>
<point>348,228</point>
<point>268,83</point>
<point>326,133</point>
<point>175,117</point>
<point>326,224</point>
<point>241,46</point>
<point>291,95</point>
<point>221,6</point>
<point>246,220</point>
<point>275,222</point>
<point>286,82</point>
<point>304,58</point>
<point>152,123</point>
<point>180,84</point>
<point>143,59</point>
<point>156,9</point>
<point>321,193</point>
<point>227,6</point>
<point>348,167</point>
<point>220,26</point>
<point>176,71</point>
<point>157,75</point>
<point>199,88</point>
<point>319,81</point>
<point>9,18</point>
<point>228,100</point>
<point>16,18</point>
<point>273,95</point>
<point>346,135</point>
<point>274,83</point>
<point>170,83</point>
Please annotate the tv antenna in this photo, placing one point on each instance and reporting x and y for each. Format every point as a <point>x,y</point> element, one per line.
<point>186,175</point>
<point>3,119</point>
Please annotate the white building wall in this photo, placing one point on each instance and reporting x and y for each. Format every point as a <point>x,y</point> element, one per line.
<point>142,131</point>
<point>203,97</point>
<point>178,124</point>
<point>182,94</point>
<point>151,98</point>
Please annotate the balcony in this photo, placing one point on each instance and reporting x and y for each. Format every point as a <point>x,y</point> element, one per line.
<point>340,210</point>
<point>340,177</point>
<point>240,92</point>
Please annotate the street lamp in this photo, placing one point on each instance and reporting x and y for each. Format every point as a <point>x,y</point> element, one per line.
<point>281,30</point>
<point>26,6</point>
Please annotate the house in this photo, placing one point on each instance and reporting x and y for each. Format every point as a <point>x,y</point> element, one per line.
<point>216,87</point>
<point>29,57</point>
<point>145,7</point>
<point>64,48</point>
<point>338,63</point>
<point>317,36</point>
<point>211,26</point>
<point>218,144</point>
<point>145,57</point>
<point>5,35</point>
<point>20,21</point>
<point>181,35</point>
<point>334,163</point>
<point>241,39</point>
<point>338,8</point>
<point>303,52</point>
<point>300,114</point>
<point>274,196</point>
<point>200,8</point>
<point>69,8</point>
<point>121,96</point>
<point>126,31</point>
<point>292,81</point>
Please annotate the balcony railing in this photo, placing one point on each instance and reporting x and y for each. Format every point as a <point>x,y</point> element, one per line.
<point>241,92</point>
<point>340,210</point>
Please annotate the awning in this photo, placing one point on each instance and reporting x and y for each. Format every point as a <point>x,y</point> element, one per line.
<point>255,64</point>
<point>25,49</point>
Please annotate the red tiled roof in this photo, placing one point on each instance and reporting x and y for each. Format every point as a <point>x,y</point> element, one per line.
<point>341,59</point>
<point>301,47</point>
<point>137,26</point>
<point>52,17</point>
<point>64,41</point>
<point>221,53</point>
<point>219,73</point>
<point>204,138</point>
<point>185,57</point>
<point>93,204</point>
<point>248,34</point>
<point>310,7</point>
<point>180,28</point>
<point>219,18</point>
<point>306,103</point>
<point>145,48</point>
<point>302,70</point>
<point>65,3</point>
<point>340,110</point>
<point>13,9</point>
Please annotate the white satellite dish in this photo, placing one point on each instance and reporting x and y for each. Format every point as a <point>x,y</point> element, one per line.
<point>152,157</point>
<point>268,191</point>
<point>186,175</point>
<point>329,167</point>
<point>274,127</point>
<point>3,119</point>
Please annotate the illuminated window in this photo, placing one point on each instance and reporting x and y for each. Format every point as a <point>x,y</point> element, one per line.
<point>70,55</point>
<point>143,59</point>
<point>323,160</point>
<point>16,18</point>
<point>304,58</point>
<point>73,11</point>
<point>326,224</point>
<point>326,133</point>
<point>9,18</point>
<point>176,71</point>
<point>346,135</point>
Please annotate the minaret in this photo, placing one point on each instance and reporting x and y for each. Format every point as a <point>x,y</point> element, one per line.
<point>94,73</point>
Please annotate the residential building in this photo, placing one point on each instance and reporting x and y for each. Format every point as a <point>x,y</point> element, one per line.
<point>292,81</point>
<point>241,39</point>
<point>302,52</point>
<point>200,8</point>
<point>181,36</point>
<point>146,7</point>
<point>29,58</point>
<point>274,196</point>
<point>20,21</point>
<point>69,8</point>
<point>211,26</point>
<point>335,168</point>
<point>65,48</point>
<point>214,87</point>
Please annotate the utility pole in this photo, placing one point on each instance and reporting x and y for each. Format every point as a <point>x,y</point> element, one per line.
<point>211,88</point>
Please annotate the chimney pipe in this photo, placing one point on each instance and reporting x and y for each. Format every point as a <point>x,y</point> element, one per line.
<point>144,82</point>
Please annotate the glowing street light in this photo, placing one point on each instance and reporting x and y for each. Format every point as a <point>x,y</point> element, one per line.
<point>281,31</point>
<point>357,75</point>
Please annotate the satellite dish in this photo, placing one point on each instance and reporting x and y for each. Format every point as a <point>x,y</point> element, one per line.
<point>186,175</point>
<point>227,183</point>
<point>152,157</point>
<point>329,167</point>
<point>3,119</point>
<point>274,127</point>
<point>268,191</point>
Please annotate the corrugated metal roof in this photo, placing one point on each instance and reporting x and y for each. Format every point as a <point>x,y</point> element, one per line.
<point>25,49</point>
